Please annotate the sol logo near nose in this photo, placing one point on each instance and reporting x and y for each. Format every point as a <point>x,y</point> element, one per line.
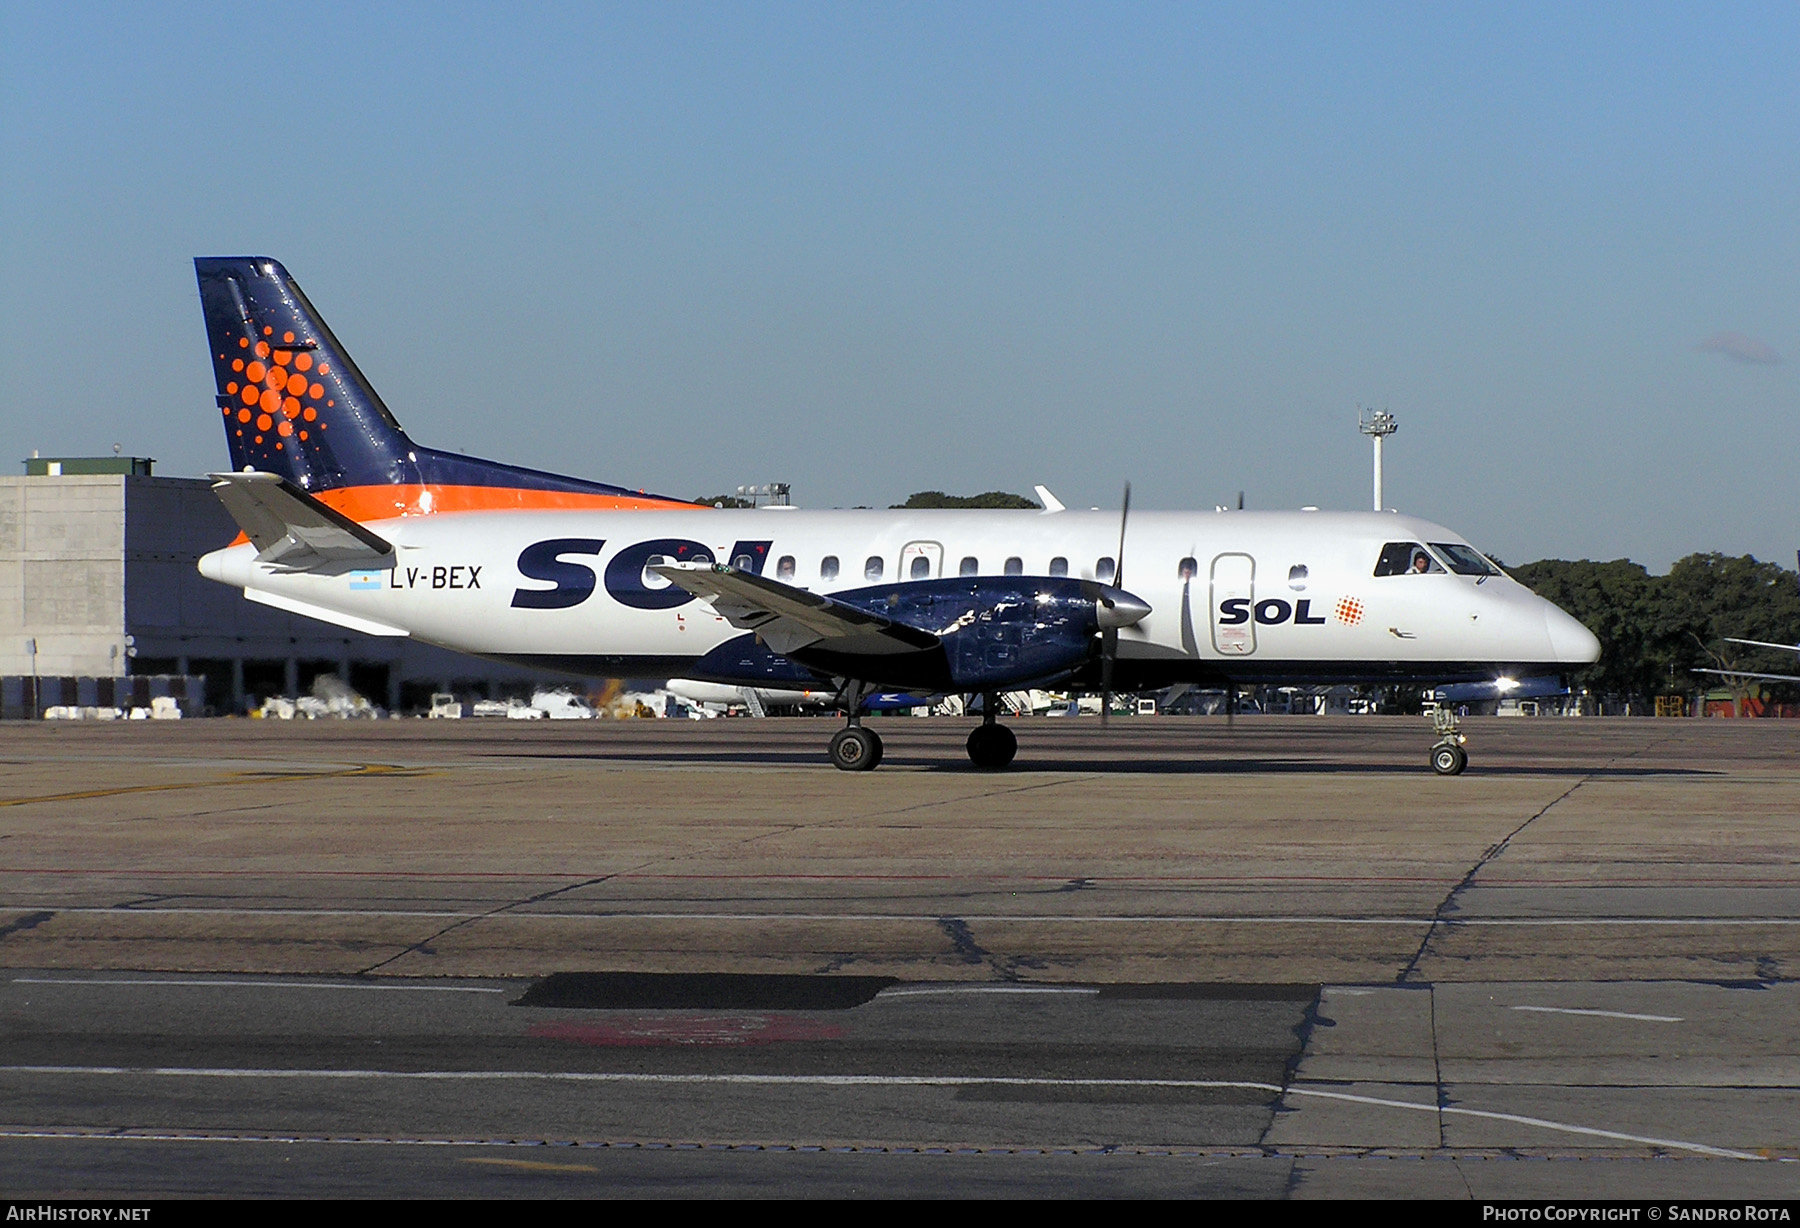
<point>1269,611</point>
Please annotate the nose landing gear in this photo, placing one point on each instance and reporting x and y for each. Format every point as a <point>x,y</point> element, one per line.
<point>991,744</point>
<point>1448,758</point>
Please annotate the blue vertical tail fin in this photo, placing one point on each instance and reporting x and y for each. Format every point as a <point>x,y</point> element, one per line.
<point>294,404</point>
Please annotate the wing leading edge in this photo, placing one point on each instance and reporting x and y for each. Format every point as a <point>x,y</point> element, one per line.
<point>788,618</point>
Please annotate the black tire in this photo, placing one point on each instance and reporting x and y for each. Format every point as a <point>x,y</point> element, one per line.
<point>855,750</point>
<point>1449,760</point>
<point>992,746</point>
<point>880,749</point>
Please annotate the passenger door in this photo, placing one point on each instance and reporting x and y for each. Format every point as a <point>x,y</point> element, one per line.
<point>1234,605</point>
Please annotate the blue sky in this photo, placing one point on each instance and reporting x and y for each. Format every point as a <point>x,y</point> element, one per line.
<point>872,249</point>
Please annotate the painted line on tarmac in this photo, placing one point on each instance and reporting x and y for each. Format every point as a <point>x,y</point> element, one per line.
<point>1321,1151</point>
<point>929,918</point>
<point>854,1081</point>
<point>531,1166</point>
<point>238,984</point>
<point>234,778</point>
<point>1573,1010</point>
<point>931,991</point>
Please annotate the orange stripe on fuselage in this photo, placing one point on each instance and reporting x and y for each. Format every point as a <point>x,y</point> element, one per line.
<point>366,503</point>
<point>362,503</point>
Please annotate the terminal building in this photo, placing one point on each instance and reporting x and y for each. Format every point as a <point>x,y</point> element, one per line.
<point>98,586</point>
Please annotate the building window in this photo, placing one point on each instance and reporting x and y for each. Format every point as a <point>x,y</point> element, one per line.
<point>828,567</point>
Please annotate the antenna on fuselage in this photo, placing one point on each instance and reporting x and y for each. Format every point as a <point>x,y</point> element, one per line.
<point>1377,424</point>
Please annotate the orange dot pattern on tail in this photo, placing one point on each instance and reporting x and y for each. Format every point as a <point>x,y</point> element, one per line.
<point>281,383</point>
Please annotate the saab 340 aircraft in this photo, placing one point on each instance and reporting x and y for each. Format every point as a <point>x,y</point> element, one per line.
<point>349,521</point>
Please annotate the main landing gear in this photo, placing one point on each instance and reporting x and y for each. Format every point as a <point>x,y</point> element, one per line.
<point>853,748</point>
<point>991,745</point>
<point>1448,758</point>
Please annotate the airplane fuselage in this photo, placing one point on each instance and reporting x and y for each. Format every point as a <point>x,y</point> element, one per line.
<point>1240,596</point>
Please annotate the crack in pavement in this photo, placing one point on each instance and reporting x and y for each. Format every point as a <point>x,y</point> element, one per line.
<point>1443,915</point>
<point>424,943</point>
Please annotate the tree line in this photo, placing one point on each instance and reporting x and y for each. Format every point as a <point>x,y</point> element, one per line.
<point>1655,631</point>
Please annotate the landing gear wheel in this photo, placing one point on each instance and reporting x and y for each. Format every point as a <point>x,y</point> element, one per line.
<point>855,750</point>
<point>992,746</point>
<point>1449,760</point>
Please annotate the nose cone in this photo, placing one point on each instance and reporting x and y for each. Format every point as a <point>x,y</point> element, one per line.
<point>1572,643</point>
<point>1115,608</point>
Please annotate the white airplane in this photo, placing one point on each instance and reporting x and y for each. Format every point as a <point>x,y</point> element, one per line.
<point>1738,673</point>
<point>347,520</point>
<point>755,698</point>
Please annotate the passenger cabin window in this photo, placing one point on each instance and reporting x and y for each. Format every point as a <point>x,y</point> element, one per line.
<point>1406,559</point>
<point>1104,570</point>
<point>921,568</point>
<point>1059,566</point>
<point>968,567</point>
<point>872,567</point>
<point>1297,577</point>
<point>1015,566</point>
<point>784,567</point>
<point>744,562</point>
<point>1188,568</point>
<point>1465,560</point>
<point>828,567</point>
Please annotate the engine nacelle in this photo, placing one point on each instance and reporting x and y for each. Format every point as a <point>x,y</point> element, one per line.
<point>998,632</point>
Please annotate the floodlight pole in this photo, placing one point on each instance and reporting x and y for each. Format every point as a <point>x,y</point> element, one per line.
<point>1377,424</point>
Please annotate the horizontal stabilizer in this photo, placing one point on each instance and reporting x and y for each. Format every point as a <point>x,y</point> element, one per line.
<point>291,528</point>
<point>788,618</point>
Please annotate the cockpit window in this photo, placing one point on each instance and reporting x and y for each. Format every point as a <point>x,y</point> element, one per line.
<point>1465,560</point>
<point>1406,559</point>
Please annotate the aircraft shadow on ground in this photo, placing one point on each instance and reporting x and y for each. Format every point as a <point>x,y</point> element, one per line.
<point>1028,765</point>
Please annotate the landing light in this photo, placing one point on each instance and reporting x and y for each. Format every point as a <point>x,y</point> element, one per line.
<point>1506,684</point>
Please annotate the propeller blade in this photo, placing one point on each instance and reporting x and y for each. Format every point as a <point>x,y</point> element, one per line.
<point>1118,579</point>
<point>1109,639</point>
<point>1189,644</point>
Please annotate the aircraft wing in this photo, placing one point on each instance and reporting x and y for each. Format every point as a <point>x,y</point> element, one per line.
<point>1741,673</point>
<point>290,527</point>
<point>1730,639</point>
<point>788,618</point>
